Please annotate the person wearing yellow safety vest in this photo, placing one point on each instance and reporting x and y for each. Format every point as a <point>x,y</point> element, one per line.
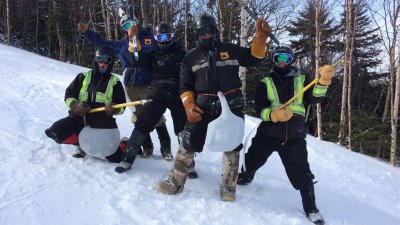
<point>284,129</point>
<point>92,89</point>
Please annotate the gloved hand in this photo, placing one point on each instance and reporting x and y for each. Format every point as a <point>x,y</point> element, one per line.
<point>326,72</point>
<point>80,109</point>
<point>193,111</point>
<point>110,111</point>
<point>259,45</point>
<point>134,31</point>
<point>281,114</point>
<point>82,27</point>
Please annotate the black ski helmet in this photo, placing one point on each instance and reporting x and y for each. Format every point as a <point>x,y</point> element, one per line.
<point>283,49</point>
<point>107,52</point>
<point>204,23</point>
<point>164,28</point>
<point>125,19</point>
<point>104,52</point>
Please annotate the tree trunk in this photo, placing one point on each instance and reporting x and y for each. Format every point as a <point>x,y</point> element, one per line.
<point>350,71</point>
<point>37,28</point>
<point>106,17</point>
<point>221,32</point>
<point>145,15</point>
<point>8,22</point>
<point>185,42</point>
<point>345,75</point>
<point>395,113</point>
<point>317,52</point>
<point>243,42</point>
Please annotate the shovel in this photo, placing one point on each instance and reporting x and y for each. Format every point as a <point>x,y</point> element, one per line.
<point>225,133</point>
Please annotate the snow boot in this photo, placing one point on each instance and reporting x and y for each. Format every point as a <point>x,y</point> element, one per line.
<point>179,172</point>
<point>311,210</point>
<point>229,175</point>
<point>133,146</point>
<point>165,142</point>
<point>79,153</point>
<point>246,177</point>
<point>192,174</point>
<point>147,147</point>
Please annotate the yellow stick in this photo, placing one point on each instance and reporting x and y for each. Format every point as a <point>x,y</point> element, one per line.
<point>340,61</point>
<point>120,105</point>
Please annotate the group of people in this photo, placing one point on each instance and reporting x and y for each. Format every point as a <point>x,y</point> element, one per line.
<point>186,83</point>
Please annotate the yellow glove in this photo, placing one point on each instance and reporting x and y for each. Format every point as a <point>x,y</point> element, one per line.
<point>326,72</point>
<point>193,111</point>
<point>82,27</point>
<point>281,114</point>
<point>134,31</point>
<point>259,45</point>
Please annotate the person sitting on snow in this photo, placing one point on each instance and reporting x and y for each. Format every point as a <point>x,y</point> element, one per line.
<point>92,89</point>
<point>283,128</point>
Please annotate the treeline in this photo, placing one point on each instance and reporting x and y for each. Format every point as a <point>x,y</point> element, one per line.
<point>361,110</point>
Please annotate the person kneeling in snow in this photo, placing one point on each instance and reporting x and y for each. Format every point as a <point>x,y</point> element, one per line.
<point>283,128</point>
<point>92,89</point>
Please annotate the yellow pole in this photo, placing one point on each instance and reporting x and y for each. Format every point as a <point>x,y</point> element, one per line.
<point>340,61</point>
<point>120,105</point>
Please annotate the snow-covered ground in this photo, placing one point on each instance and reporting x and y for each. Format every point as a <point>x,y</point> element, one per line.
<point>40,183</point>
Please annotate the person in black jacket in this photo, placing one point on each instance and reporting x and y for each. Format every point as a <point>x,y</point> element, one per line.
<point>283,128</point>
<point>92,89</point>
<point>211,67</point>
<point>164,63</point>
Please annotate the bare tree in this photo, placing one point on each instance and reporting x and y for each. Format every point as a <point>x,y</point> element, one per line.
<point>106,17</point>
<point>395,112</point>
<point>390,33</point>
<point>243,42</point>
<point>318,29</point>
<point>8,22</point>
<point>343,114</point>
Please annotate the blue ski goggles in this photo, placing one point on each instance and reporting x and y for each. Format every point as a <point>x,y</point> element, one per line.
<point>164,37</point>
<point>282,57</point>
<point>102,58</point>
<point>128,24</point>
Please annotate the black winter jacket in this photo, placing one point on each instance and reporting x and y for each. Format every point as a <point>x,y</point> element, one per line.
<point>205,73</point>
<point>284,83</point>
<point>98,83</point>
<point>164,66</point>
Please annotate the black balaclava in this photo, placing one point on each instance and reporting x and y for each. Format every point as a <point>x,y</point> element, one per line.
<point>207,24</point>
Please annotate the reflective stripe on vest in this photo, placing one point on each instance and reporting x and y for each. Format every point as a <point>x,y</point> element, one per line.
<point>272,94</point>
<point>100,97</point>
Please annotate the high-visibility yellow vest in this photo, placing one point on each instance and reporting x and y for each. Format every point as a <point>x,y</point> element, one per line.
<point>296,106</point>
<point>105,98</point>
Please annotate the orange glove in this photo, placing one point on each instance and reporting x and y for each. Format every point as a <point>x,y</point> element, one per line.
<point>259,46</point>
<point>134,31</point>
<point>281,114</point>
<point>193,111</point>
<point>82,27</point>
<point>326,72</point>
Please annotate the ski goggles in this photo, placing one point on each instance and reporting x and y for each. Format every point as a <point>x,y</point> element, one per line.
<point>102,58</point>
<point>128,24</point>
<point>164,37</point>
<point>282,57</point>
